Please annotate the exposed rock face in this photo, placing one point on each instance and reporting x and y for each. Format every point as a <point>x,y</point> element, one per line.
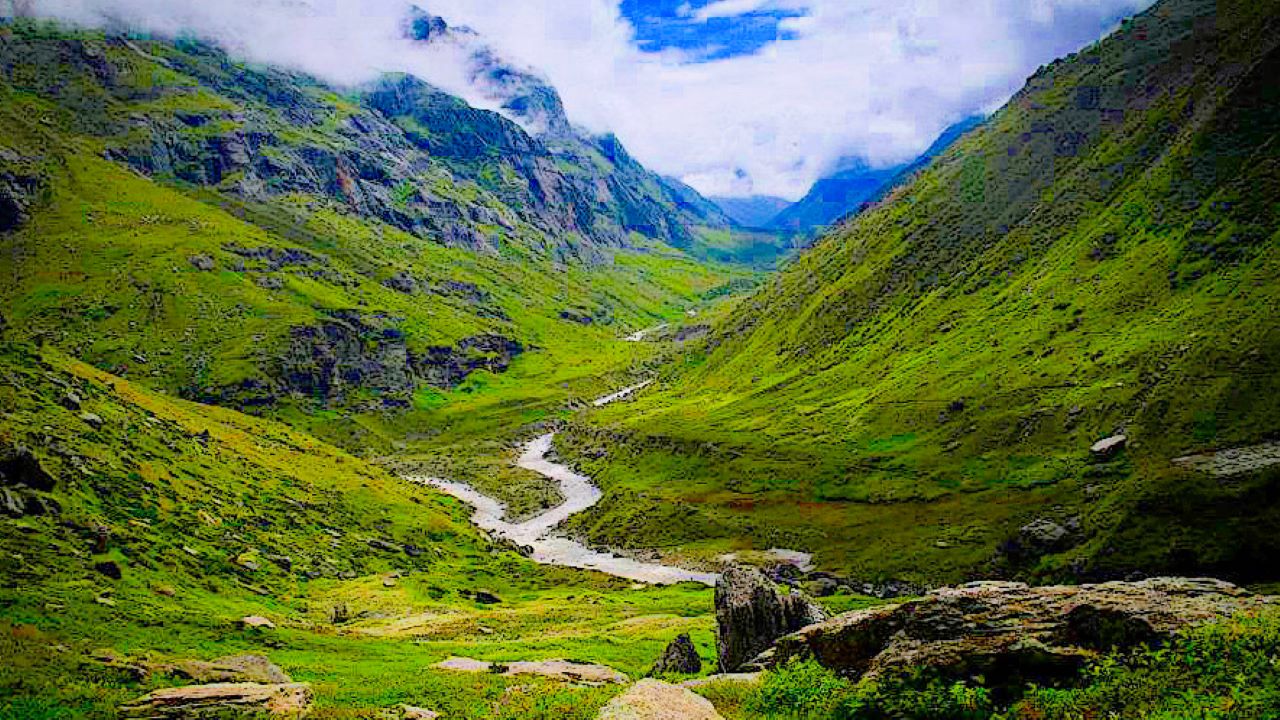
<point>751,613</point>
<point>680,657</point>
<point>655,700</point>
<point>222,700</point>
<point>18,193</point>
<point>1009,632</point>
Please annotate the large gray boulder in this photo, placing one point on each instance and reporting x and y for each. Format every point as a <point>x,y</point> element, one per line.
<point>655,700</point>
<point>1011,633</point>
<point>752,612</point>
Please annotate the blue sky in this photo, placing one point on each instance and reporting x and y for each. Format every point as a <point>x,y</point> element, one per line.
<point>673,24</point>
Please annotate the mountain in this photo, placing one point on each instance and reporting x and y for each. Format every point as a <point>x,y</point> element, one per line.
<point>855,184</point>
<point>252,237</point>
<point>755,211</point>
<point>599,167</point>
<point>922,394</point>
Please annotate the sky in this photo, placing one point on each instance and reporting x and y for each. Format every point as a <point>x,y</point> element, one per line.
<point>735,97</point>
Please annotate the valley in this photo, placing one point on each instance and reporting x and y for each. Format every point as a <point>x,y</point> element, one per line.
<point>342,401</point>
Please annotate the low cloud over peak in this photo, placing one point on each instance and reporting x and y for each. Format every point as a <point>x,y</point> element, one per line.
<point>760,96</point>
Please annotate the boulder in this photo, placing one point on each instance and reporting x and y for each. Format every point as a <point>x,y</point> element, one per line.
<point>201,262</point>
<point>680,657</point>
<point>222,700</point>
<point>1009,632</point>
<point>751,613</point>
<point>652,699</point>
<point>1108,448</point>
<point>562,670</point>
<point>19,466</point>
<point>257,622</point>
<point>229,669</point>
<point>409,712</point>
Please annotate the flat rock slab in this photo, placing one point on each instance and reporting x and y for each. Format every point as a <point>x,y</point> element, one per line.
<point>652,699</point>
<point>748,678</point>
<point>222,700</point>
<point>562,670</point>
<point>1009,632</point>
<point>229,669</point>
<point>1234,461</point>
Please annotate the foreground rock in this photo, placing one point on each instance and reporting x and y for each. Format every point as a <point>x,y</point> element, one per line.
<point>1011,633</point>
<point>230,669</point>
<point>562,670</point>
<point>655,700</point>
<point>222,700</point>
<point>751,613</point>
<point>680,658</point>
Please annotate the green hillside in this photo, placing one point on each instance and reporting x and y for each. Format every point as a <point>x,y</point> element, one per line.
<point>1098,258</point>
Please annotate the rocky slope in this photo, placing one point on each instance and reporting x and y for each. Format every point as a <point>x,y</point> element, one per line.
<point>1096,260</point>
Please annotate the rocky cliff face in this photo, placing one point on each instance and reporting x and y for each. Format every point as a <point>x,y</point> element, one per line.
<point>751,613</point>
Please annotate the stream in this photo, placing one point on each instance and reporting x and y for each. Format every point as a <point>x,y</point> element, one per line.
<point>538,532</point>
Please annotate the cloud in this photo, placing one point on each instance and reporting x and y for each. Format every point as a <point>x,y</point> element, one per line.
<point>878,79</point>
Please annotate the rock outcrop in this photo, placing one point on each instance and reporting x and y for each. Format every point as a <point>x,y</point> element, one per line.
<point>655,700</point>
<point>230,669</point>
<point>1009,632</point>
<point>680,657</point>
<point>751,613</point>
<point>222,700</point>
<point>562,670</point>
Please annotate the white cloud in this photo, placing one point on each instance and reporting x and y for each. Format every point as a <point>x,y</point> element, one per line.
<point>875,78</point>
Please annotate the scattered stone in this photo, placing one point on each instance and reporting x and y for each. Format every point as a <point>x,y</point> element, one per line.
<point>562,670</point>
<point>339,614</point>
<point>383,545</point>
<point>11,503</point>
<point>1108,448</point>
<point>257,622</point>
<point>745,678</point>
<point>680,657</point>
<point>202,262</point>
<point>409,712</point>
<point>104,600</point>
<point>165,590</point>
<point>93,420</point>
<point>19,466</point>
<point>1011,633</point>
<point>70,401</point>
<point>388,582</point>
<point>1233,461</point>
<point>751,613</point>
<point>222,700</point>
<point>652,699</point>
<point>484,597</point>
<point>109,569</point>
<point>229,669</point>
<point>462,664</point>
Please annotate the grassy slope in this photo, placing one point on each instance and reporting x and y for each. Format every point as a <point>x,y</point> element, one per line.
<point>193,524</point>
<point>1099,257</point>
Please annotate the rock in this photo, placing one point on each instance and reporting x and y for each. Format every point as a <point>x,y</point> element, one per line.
<point>339,614</point>
<point>745,678</point>
<point>680,657</point>
<point>93,420</point>
<point>202,262</point>
<point>109,569</point>
<point>70,401</point>
<point>562,670</point>
<point>409,712</point>
<point>257,622</point>
<point>825,586</point>
<point>221,700</point>
<point>1009,632</point>
<point>1109,447</point>
<point>484,597</point>
<point>652,699</point>
<point>751,613</point>
<point>229,669</point>
<point>19,466</point>
<point>461,664</point>
<point>11,503</point>
<point>383,545</point>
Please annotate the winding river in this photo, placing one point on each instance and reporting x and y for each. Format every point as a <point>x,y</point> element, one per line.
<point>538,532</point>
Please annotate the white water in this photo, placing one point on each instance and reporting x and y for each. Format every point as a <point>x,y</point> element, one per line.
<point>579,494</point>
